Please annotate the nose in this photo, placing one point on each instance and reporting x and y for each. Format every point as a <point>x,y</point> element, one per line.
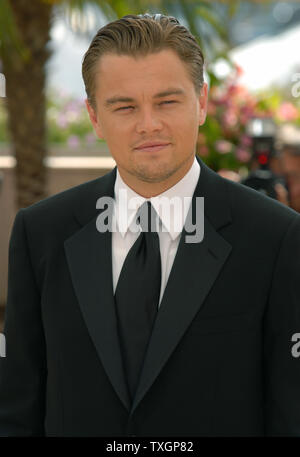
<point>148,121</point>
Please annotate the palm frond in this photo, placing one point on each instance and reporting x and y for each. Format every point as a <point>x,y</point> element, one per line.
<point>10,39</point>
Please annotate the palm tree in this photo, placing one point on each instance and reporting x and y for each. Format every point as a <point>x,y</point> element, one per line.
<point>25,91</point>
<point>24,34</point>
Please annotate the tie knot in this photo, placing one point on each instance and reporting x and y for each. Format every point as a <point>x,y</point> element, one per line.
<point>147,217</point>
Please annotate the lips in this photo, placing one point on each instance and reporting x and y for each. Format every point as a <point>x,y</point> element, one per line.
<point>152,146</point>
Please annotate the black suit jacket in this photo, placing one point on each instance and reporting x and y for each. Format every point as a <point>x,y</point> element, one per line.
<point>219,361</point>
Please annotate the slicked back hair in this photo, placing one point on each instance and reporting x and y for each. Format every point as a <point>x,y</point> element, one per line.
<point>140,35</point>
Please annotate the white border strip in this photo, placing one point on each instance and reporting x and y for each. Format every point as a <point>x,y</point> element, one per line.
<point>7,162</point>
<point>67,162</point>
<point>80,162</point>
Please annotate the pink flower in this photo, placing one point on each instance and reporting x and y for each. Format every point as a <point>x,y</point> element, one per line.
<point>90,138</point>
<point>230,118</point>
<point>203,150</point>
<point>73,141</point>
<point>62,121</point>
<point>242,154</point>
<point>287,112</point>
<point>74,106</point>
<point>223,146</point>
<point>239,70</point>
<point>246,140</point>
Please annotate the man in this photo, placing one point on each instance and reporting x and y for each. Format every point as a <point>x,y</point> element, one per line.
<point>133,333</point>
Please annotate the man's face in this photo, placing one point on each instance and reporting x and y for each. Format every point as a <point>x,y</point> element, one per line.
<point>148,100</point>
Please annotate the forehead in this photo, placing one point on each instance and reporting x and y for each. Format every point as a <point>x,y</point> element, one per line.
<point>151,72</point>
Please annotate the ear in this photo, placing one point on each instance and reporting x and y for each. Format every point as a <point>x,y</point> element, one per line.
<point>203,97</point>
<point>94,120</point>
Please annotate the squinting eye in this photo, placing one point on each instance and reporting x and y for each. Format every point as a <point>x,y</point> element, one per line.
<point>124,108</point>
<point>169,101</point>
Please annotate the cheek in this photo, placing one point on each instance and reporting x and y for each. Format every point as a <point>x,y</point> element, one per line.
<point>118,140</point>
<point>187,131</point>
<point>119,127</point>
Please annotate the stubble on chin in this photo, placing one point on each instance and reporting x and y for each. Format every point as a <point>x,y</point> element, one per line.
<point>153,174</point>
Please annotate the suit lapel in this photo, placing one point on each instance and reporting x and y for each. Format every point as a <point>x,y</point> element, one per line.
<point>196,266</point>
<point>89,257</point>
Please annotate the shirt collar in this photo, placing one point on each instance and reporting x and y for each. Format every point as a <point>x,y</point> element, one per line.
<point>127,202</point>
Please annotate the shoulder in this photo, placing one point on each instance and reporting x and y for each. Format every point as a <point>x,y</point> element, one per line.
<point>251,217</point>
<point>249,204</point>
<point>60,215</point>
<point>75,199</point>
<point>63,200</point>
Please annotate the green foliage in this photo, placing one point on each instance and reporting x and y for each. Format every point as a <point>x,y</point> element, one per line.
<point>3,123</point>
<point>9,35</point>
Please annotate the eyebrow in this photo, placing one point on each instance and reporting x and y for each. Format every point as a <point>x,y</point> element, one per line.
<point>118,98</point>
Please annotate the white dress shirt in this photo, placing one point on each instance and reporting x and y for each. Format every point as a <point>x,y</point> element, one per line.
<point>126,205</point>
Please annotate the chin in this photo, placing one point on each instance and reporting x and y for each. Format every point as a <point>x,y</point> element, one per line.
<point>155,173</point>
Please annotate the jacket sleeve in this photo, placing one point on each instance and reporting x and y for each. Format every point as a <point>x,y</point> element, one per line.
<point>281,359</point>
<point>23,371</point>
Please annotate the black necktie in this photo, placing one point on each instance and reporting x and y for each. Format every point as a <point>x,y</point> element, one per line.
<point>137,295</point>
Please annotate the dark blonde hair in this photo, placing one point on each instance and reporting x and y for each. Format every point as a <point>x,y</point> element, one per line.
<point>139,35</point>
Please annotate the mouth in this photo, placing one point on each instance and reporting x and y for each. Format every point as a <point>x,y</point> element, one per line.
<point>153,148</point>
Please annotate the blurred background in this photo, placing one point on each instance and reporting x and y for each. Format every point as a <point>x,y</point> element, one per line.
<point>47,144</point>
